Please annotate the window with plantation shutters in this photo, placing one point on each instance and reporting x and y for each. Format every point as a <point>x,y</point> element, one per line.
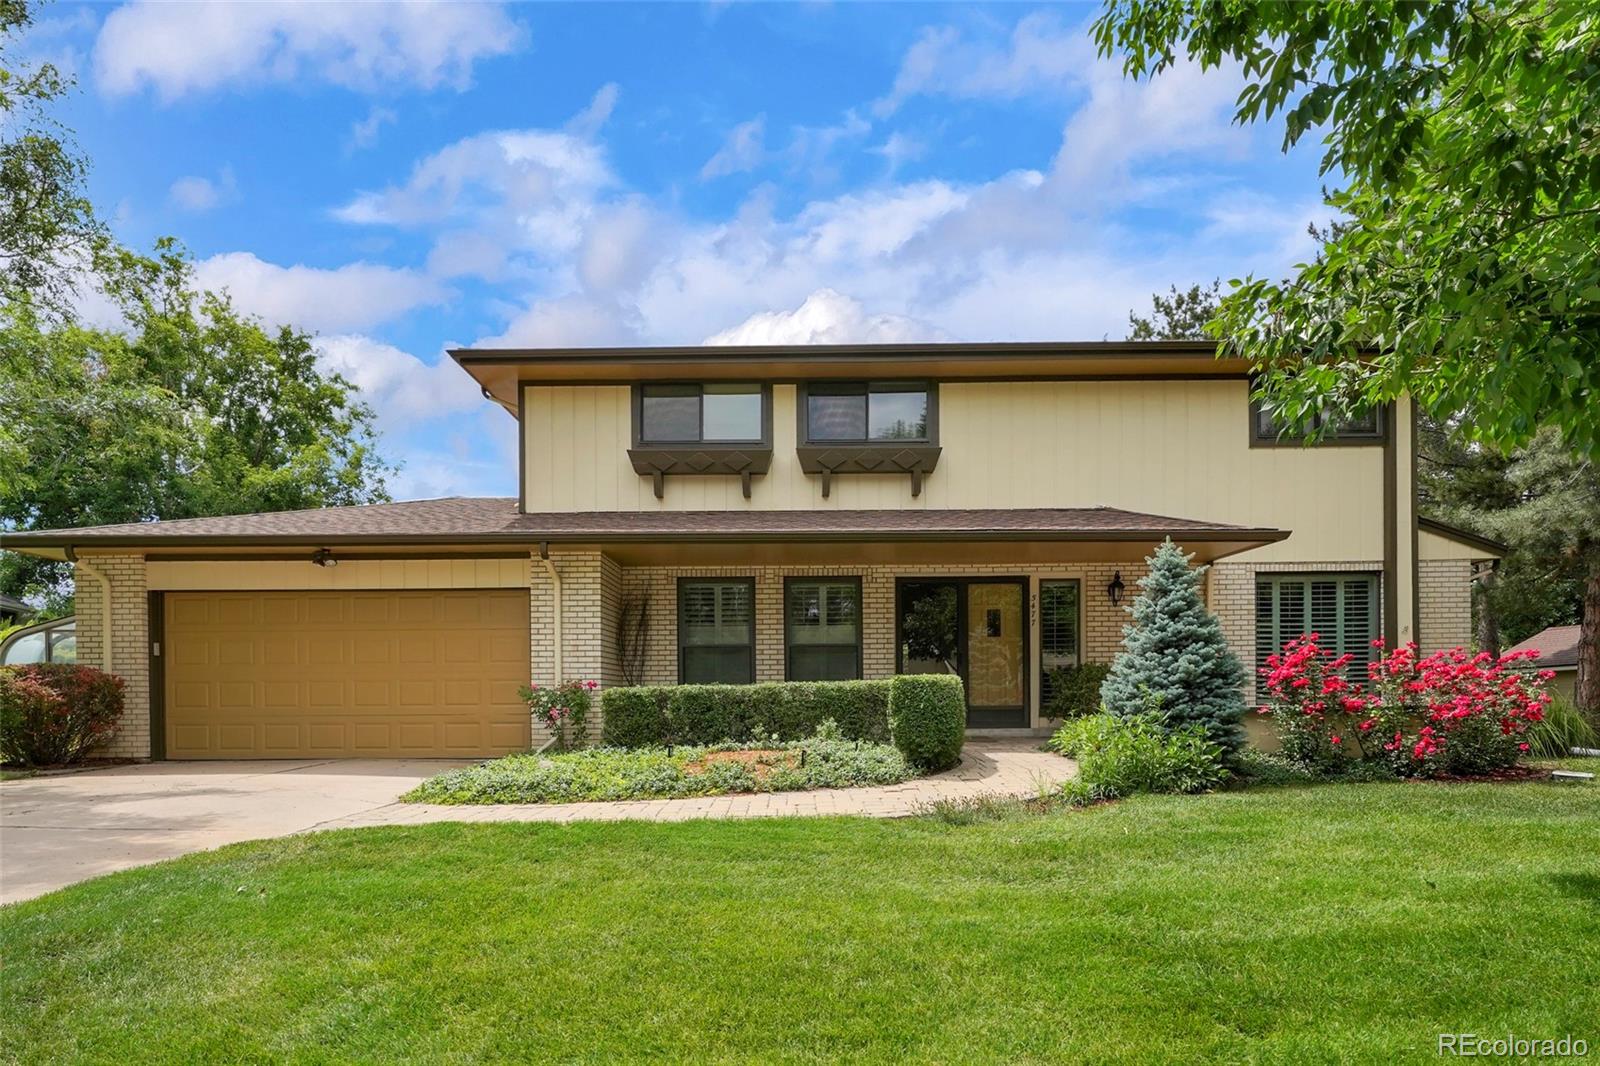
<point>716,631</point>
<point>1058,631</point>
<point>822,628</point>
<point>1342,609</point>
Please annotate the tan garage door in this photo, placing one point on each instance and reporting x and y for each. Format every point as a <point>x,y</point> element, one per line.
<point>371,673</point>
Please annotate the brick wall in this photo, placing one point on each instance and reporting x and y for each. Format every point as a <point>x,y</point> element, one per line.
<point>585,633</point>
<point>1444,604</point>
<point>1102,629</point>
<point>130,643</point>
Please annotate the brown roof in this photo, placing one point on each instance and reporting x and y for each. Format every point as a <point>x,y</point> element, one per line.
<point>1557,646</point>
<point>495,519</point>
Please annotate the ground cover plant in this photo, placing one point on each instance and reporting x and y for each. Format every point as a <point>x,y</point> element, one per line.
<point>826,760</point>
<point>1221,927</point>
<point>1123,755</point>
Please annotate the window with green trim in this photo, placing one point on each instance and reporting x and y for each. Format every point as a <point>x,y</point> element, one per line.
<point>716,631</point>
<point>1342,609</point>
<point>822,628</point>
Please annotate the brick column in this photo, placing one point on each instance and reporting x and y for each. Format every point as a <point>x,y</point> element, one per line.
<point>130,643</point>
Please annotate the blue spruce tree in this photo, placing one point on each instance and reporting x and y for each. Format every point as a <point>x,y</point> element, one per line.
<point>1174,655</point>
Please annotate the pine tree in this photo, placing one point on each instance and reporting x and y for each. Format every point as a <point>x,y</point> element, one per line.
<point>1174,655</point>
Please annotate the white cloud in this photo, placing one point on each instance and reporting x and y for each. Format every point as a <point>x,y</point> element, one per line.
<point>899,149</point>
<point>177,49</point>
<point>1039,56</point>
<point>352,297</point>
<point>587,123</point>
<point>743,150</point>
<point>198,194</point>
<point>573,320</point>
<point>364,132</point>
<point>398,385</point>
<point>827,317</point>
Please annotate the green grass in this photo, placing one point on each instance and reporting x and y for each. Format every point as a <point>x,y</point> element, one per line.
<point>15,775</point>
<point>1340,923</point>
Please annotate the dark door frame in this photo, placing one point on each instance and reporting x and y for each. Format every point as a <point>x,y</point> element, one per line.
<point>977,717</point>
<point>157,632</point>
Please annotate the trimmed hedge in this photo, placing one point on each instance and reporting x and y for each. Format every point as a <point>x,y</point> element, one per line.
<point>928,719</point>
<point>657,715</point>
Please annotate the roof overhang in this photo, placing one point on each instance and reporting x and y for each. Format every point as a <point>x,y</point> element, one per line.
<point>500,371</point>
<point>1489,549</point>
<point>696,547</point>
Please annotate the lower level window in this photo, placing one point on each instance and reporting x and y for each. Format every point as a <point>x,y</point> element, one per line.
<point>716,631</point>
<point>822,628</point>
<point>1342,609</point>
<point>1058,632</point>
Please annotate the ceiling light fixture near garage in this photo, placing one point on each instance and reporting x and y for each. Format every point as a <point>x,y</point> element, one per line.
<point>324,557</point>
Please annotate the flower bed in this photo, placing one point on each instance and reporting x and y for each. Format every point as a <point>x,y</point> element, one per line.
<point>824,761</point>
<point>1452,713</point>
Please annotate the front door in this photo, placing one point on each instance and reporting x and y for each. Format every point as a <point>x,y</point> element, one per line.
<point>975,628</point>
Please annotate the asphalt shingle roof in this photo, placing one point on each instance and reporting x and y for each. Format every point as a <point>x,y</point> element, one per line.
<point>1557,646</point>
<point>495,518</point>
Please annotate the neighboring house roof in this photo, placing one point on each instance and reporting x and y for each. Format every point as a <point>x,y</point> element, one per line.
<point>459,519</point>
<point>1557,647</point>
<point>1493,548</point>
<point>15,608</point>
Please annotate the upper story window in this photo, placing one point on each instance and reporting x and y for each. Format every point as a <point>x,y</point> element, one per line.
<point>702,414</point>
<point>868,412</point>
<point>1361,427</point>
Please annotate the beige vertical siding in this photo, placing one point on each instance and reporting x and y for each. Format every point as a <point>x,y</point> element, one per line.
<point>1167,447</point>
<point>352,574</point>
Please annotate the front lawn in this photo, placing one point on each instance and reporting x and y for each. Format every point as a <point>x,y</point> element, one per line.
<point>1331,923</point>
<point>660,773</point>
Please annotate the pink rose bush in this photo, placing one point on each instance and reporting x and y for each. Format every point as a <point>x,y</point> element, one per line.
<point>1449,713</point>
<point>564,710</point>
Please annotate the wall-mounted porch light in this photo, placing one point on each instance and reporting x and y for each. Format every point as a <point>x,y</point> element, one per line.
<point>1115,589</point>
<point>324,557</point>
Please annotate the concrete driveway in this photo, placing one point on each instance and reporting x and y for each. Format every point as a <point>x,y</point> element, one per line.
<point>58,830</point>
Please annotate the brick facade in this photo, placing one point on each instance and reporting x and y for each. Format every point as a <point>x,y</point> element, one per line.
<point>1101,634</point>
<point>130,642</point>
<point>594,588</point>
<point>1444,602</point>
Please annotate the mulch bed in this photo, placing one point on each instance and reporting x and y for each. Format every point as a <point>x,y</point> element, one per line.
<point>759,761</point>
<point>1513,773</point>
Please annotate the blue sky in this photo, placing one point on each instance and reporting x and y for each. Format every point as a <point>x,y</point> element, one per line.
<point>402,179</point>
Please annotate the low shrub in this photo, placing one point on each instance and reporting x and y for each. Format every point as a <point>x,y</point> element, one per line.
<point>1448,713</point>
<point>822,761</point>
<point>633,717</point>
<point>1075,690</point>
<point>928,718</point>
<point>56,713</point>
<point>1123,755</point>
<point>564,710</point>
<point>661,715</point>
<point>1563,728</point>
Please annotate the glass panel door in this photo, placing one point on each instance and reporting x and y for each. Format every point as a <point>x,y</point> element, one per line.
<point>976,630</point>
<point>996,650</point>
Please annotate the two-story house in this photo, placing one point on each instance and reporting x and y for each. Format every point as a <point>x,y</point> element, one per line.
<point>753,514</point>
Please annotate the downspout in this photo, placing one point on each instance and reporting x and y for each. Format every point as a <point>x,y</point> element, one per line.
<point>555,595</point>
<point>104,582</point>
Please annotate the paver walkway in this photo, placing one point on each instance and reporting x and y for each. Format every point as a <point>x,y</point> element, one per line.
<point>988,768</point>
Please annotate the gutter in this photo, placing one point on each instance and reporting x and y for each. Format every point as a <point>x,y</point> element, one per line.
<point>104,582</point>
<point>555,592</point>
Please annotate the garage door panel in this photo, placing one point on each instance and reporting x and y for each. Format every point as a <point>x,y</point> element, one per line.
<point>368,672</point>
